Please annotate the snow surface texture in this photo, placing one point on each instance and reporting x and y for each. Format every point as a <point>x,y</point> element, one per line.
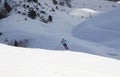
<point>103,29</point>
<point>22,62</point>
<point>37,34</point>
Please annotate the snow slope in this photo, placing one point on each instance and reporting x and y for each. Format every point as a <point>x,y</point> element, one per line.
<point>37,34</point>
<point>40,35</point>
<point>21,62</point>
<point>98,5</point>
<point>103,29</point>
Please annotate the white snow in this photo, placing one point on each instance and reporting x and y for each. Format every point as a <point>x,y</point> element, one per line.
<point>98,5</point>
<point>98,35</point>
<point>118,2</point>
<point>21,62</point>
<point>102,29</point>
<point>48,36</point>
<point>84,12</point>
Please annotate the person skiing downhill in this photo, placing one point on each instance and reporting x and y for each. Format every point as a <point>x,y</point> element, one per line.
<point>64,42</point>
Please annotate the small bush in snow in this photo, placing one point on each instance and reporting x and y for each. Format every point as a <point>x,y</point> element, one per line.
<point>43,12</point>
<point>25,18</point>
<point>21,43</point>
<point>55,2</point>
<point>32,14</point>
<point>32,1</point>
<point>37,8</point>
<point>42,18</point>
<point>28,6</point>
<point>1,33</point>
<point>56,7</point>
<point>50,18</point>
<point>35,1</point>
<point>62,3</point>
<point>23,13</point>
<point>24,6</point>
<point>19,12</point>
<point>53,10</point>
<point>43,7</point>
<point>29,0</point>
<point>39,4</point>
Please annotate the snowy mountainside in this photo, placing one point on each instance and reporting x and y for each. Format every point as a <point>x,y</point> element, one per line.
<point>103,29</point>
<point>31,34</point>
<point>36,9</point>
<point>22,62</point>
<point>38,32</point>
<point>98,5</point>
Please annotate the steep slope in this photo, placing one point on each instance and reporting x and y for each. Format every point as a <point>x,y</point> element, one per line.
<point>103,29</point>
<point>21,62</point>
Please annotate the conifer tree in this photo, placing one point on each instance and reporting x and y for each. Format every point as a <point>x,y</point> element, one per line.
<point>7,6</point>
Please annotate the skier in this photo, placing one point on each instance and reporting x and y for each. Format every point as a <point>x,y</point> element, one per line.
<point>64,42</point>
